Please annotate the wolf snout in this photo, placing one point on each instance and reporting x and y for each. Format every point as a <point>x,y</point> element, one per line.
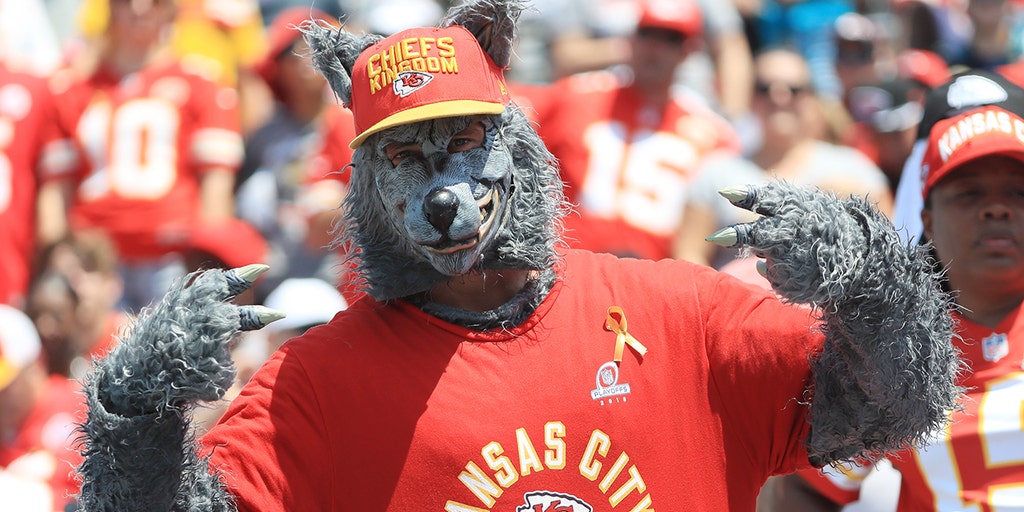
<point>442,205</point>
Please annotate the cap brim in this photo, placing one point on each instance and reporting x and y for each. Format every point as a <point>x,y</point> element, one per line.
<point>950,168</point>
<point>7,373</point>
<point>437,110</point>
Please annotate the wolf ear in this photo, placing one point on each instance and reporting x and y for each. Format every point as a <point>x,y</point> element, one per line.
<point>493,22</point>
<point>334,52</point>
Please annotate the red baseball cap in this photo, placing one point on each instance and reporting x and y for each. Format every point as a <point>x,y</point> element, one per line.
<point>681,16</point>
<point>281,35</point>
<point>420,74</point>
<point>952,142</point>
<point>234,242</point>
<point>923,66</point>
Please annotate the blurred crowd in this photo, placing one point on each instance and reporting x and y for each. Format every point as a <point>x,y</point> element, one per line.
<point>144,139</point>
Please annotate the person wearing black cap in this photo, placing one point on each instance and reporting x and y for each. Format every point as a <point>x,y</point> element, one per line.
<point>964,90</point>
<point>973,215</point>
<point>885,117</point>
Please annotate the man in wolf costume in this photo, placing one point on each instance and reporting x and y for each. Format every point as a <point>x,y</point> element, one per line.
<point>489,369</point>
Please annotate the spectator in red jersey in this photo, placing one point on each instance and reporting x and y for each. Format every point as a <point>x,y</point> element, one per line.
<point>974,217</point>
<point>629,143</point>
<point>38,414</point>
<point>26,113</point>
<point>154,145</point>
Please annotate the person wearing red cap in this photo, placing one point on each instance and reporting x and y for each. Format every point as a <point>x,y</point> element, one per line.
<point>927,69</point>
<point>628,142</point>
<point>490,368</point>
<point>973,216</point>
<point>591,35</point>
<point>151,145</point>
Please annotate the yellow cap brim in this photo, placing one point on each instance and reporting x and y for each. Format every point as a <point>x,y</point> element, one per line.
<point>430,111</point>
<point>7,373</point>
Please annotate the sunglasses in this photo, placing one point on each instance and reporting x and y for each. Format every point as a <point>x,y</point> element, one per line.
<point>762,87</point>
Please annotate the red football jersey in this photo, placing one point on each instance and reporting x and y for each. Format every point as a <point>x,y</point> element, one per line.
<point>388,408</point>
<point>976,464</point>
<point>43,449</point>
<point>142,142</point>
<point>26,126</point>
<point>627,165</point>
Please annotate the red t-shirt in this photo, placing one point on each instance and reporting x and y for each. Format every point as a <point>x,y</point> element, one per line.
<point>627,165</point>
<point>388,408</point>
<point>26,126</point>
<point>141,143</point>
<point>43,447</point>
<point>978,462</point>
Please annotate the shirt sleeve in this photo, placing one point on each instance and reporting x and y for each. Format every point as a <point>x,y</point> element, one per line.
<point>269,444</point>
<point>759,351</point>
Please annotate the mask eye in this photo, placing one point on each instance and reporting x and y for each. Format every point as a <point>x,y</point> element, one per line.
<point>396,153</point>
<point>470,138</point>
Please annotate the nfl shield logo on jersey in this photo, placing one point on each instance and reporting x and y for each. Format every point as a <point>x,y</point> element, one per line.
<point>608,383</point>
<point>546,501</point>
<point>995,347</point>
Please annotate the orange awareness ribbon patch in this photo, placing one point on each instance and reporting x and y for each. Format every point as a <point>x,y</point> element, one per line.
<point>616,322</point>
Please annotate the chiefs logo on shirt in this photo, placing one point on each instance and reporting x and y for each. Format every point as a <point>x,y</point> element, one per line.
<point>546,501</point>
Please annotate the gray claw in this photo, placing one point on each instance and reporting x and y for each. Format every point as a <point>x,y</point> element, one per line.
<point>241,278</point>
<point>736,194</point>
<point>726,237</point>
<point>251,318</point>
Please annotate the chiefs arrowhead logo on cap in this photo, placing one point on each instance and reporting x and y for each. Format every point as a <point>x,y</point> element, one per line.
<point>409,82</point>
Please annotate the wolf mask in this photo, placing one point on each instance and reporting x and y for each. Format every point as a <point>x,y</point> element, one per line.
<point>421,209</point>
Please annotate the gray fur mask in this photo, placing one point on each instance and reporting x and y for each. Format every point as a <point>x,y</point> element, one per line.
<point>450,205</point>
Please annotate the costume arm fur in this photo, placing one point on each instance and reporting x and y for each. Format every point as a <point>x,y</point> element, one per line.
<point>138,448</point>
<point>885,377</point>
